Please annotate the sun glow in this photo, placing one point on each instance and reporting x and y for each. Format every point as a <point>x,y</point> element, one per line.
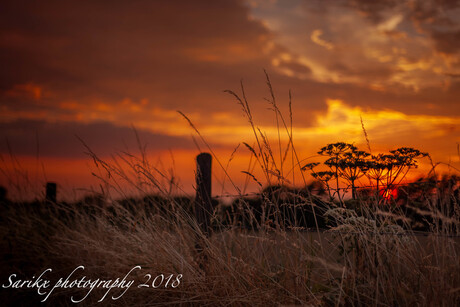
<point>389,193</point>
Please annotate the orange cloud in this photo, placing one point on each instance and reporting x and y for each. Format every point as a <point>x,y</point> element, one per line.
<point>315,37</point>
<point>27,90</point>
<point>341,118</point>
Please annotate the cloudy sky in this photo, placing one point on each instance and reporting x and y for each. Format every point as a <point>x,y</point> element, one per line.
<point>96,70</point>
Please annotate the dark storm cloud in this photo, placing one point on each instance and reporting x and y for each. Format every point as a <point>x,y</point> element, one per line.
<point>177,55</point>
<point>432,17</point>
<point>447,41</point>
<point>374,10</point>
<point>119,49</point>
<point>25,137</point>
<point>423,11</point>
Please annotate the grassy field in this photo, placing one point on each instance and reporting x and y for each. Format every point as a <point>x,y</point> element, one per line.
<point>358,262</point>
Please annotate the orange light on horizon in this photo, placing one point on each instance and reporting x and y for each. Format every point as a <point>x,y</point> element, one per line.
<point>390,193</point>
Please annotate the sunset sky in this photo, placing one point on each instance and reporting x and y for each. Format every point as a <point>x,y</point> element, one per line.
<point>95,69</point>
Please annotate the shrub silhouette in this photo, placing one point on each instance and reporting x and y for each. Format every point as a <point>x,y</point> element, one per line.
<point>344,161</point>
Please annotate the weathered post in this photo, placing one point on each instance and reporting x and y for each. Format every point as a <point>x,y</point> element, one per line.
<point>203,204</point>
<point>51,189</point>
<point>3,193</point>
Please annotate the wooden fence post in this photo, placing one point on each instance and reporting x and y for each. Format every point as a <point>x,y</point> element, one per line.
<point>203,204</point>
<point>51,189</point>
<point>3,193</point>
